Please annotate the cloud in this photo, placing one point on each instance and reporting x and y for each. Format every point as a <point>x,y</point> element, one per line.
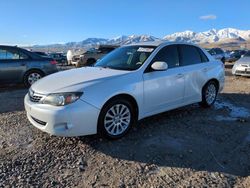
<point>208,17</point>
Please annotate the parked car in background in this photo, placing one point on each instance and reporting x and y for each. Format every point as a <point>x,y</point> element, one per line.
<point>59,57</point>
<point>242,66</point>
<point>218,54</point>
<point>18,65</point>
<point>130,83</point>
<point>235,55</point>
<point>90,57</point>
<point>43,54</point>
<point>75,60</point>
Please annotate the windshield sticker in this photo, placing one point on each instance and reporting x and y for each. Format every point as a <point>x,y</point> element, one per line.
<point>141,49</point>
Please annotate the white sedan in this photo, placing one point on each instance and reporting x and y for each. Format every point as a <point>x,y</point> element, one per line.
<point>130,83</point>
<point>242,66</point>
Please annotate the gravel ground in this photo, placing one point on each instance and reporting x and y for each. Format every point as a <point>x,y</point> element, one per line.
<point>186,147</point>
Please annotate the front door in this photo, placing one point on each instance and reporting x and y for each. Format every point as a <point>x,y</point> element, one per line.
<point>164,90</point>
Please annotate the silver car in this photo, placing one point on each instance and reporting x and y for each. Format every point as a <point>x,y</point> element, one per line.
<point>242,66</point>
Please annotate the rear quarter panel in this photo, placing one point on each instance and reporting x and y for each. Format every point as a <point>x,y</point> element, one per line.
<point>42,65</point>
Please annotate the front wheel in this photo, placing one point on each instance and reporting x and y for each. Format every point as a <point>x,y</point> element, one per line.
<point>31,77</point>
<point>116,118</point>
<point>209,94</point>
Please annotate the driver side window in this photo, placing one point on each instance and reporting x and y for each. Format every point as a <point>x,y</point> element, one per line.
<point>168,54</point>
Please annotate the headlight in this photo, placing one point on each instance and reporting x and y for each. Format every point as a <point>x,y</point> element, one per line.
<point>61,99</point>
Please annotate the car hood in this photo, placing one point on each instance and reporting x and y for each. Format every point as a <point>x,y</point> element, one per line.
<point>74,79</point>
<point>243,60</point>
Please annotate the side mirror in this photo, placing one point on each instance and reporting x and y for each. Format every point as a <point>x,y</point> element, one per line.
<point>159,66</point>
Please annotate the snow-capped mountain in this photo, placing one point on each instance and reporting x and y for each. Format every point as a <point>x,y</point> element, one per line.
<point>122,40</point>
<point>226,35</point>
<point>210,36</point>
<point>87,42</point>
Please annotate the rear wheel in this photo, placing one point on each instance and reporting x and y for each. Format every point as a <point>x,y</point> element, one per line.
<point>116,118</point>
<point>31,77</point>
<point>209,94</point>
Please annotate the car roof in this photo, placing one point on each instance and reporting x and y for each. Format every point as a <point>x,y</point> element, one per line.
<point>32,54</point>
<point>159,43</point>
<point>9,46</point>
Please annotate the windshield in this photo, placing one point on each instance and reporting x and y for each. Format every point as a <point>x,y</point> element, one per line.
<point>126,58</point>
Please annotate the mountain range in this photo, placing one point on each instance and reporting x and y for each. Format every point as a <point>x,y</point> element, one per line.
<point>207,37</point>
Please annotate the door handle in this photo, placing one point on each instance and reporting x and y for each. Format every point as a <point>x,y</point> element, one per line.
<point>22,64</point>
<point>180,75</point>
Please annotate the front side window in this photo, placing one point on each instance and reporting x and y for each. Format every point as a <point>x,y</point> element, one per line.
<point>126,58</point>
<point>189,55</point>
<point>168,54</point>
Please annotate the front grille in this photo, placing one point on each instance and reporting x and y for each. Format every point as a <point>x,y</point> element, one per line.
<point>35,98</point>
<point>242,72</point>
<point>39,121</point>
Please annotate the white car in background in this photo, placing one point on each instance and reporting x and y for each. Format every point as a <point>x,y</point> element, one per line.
<point>242,66</point>
<point>130,83</point>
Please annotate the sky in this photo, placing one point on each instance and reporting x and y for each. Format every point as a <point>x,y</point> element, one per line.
<point>28,22</point>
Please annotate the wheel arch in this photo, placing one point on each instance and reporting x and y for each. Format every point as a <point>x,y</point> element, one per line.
<point>128,97</point>
<point>214,80</point>
<point>33,69</point>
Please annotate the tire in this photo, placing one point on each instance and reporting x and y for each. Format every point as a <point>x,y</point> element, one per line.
<point>115,125</point>
<point>209,94</point>
<point>31,77</point>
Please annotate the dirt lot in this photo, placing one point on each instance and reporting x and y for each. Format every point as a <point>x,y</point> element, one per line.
<point>187,147</point>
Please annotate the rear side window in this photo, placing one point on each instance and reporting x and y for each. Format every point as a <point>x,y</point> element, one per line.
<point>168,54</point>
<point>10,54</point>
<point>203,56</point>
<point>189,55</point>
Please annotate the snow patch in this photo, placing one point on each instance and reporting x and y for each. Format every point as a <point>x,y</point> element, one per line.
<point>235,112</point>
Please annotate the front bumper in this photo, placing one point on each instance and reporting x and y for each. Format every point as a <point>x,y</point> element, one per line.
<point>76,119</point>
<point>241,71</point>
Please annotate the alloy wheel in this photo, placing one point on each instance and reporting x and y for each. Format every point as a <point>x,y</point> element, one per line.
<point>117,119</point>
<point>33,77</point>
<point>211,93</point>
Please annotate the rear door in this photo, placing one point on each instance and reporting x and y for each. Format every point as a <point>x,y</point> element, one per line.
<point>195,66</point>
<point>163,90</point>
<point>12,64</point>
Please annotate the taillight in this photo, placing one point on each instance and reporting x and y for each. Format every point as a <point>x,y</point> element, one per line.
<point>53,62</point>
